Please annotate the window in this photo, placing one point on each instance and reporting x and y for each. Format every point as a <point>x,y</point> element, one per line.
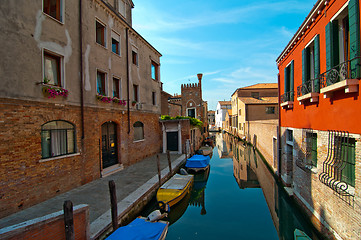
<point>346,153</point>
<point>121,7</point>
<point>135,58</point>
<point>270,110</point>
<point>52,69</point>
<point>154,98</point>
<point>289,135</point>
<point>288,88</point>
<point>191,112</point>
<point>100,33</point>
<point>311,66</point>
<point>138,131</point>
<point>311,148</point>
<point>116,87</point>
<point>101,83</point>
<point>343,40</point>
<point>57,138</point>
<point>53,8</point>
<point>135,93</point>
<point>154,71</point>
<point>115,43</point>
<point>240,112</point>
<point>255,95</point>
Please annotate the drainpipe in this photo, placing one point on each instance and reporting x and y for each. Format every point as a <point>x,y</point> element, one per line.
<point>127,50</point>
<point>81,71</point>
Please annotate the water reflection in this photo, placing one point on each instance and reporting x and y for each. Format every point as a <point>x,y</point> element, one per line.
<point>237,198</point>
<point>250,171</point>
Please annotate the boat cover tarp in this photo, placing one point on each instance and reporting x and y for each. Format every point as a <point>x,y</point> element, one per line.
<point>198,161</point>
<point>178,182</point>
<point>139,229</point>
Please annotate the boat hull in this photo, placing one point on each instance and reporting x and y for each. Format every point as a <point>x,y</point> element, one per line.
<point>175,189</point>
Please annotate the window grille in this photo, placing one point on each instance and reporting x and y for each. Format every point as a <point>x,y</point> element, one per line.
<point>338,170</point>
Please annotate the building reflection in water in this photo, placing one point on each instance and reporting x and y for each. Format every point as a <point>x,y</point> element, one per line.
<point>250,171</point>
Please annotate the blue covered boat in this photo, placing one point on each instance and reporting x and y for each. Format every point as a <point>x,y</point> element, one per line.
<point>140,228</point>
<point>198,162</point>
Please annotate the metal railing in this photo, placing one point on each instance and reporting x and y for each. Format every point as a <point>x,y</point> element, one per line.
<point>349,69</point>
<point>310,86</point>
<point>334,164</point>
<point>287,96</point>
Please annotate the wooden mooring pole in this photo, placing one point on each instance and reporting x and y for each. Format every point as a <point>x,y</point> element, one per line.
<point>159,173</point>
<point>68,220</point>
<point>113,204</point>
<point>169,163</point>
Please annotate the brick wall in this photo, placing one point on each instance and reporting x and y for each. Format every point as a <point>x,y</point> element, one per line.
<point>265,131</point>
<point>50,227</point>
<point>26,179</point>
<point>335,215</point>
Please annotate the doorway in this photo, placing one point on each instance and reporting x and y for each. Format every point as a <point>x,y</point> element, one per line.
<point>172,141</point>
<point>109,144</point>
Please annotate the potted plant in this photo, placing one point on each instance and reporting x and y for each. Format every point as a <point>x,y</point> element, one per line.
<point>134,102</point>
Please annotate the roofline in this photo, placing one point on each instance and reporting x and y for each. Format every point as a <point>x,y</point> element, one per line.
<point>130,27</point>
<point>304,26</point>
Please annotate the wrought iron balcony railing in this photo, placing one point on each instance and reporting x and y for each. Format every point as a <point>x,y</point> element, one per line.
<point>349,69</point>
<point>287,97</point>
<point>310,86</point>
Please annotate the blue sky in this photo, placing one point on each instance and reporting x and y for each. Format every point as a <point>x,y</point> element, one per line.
<point>234,43</point>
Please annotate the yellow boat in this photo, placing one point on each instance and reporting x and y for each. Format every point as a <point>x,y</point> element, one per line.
<point>172,191</point>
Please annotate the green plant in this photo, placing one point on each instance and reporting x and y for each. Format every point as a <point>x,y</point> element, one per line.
<point>194,121</point>
<point>46,80</point>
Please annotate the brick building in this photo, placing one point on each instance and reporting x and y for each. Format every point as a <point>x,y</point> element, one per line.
<point>211,119</point>
<point>319,72</point>
<point>79,103</point>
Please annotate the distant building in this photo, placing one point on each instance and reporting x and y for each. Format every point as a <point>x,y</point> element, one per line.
<point>220,114</point>
<point>320,130</point>
<point>211,119</point>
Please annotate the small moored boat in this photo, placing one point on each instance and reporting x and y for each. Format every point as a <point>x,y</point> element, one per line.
<point>141,228</point>
<point>172,191</point>
<point>198,162</point>
<point>206,150</point>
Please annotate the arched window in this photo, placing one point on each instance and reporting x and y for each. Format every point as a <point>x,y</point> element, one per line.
<point>57,138</point>
<point>138,131</point>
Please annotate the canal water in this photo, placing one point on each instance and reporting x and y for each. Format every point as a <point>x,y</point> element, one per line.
<point>238,198</point>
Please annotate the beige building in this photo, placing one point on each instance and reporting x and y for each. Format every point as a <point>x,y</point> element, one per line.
<point>253,103</point>
<point>80,95</point>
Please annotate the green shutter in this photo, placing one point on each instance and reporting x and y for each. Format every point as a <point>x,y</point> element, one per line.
<point>287,88</point>
<point>317,63</point>
<point>291,81</point>
<point>332,50</point>
<point>303,66</point>
<point>348,172</point>
<point>354,26</point>
<point>328,46</point>
<point>335,52</point>
<point>314,150</point>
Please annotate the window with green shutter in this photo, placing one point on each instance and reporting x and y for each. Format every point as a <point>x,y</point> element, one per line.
<point>311,139</point>
<point>348,147</point>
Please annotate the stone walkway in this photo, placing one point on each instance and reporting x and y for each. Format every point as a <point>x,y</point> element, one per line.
<point>132,183</point>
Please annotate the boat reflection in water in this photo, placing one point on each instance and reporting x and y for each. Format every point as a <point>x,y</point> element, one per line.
<point>198,193</point>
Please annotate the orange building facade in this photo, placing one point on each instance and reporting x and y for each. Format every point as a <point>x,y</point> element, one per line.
<point>320,108</point>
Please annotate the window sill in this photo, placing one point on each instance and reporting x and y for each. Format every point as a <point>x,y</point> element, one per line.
<point>58,157</point>
<point>287,105</point>
<point>100,45</point>
<point>350,86</point>
<point>116,54</point>
<point>312,97</point>
<point>137,141</point>
<point>56,20</point>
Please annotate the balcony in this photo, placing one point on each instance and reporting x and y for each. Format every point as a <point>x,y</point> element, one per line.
<point>309,91</point>
<point>287,100</point>
<point>341,77</point>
